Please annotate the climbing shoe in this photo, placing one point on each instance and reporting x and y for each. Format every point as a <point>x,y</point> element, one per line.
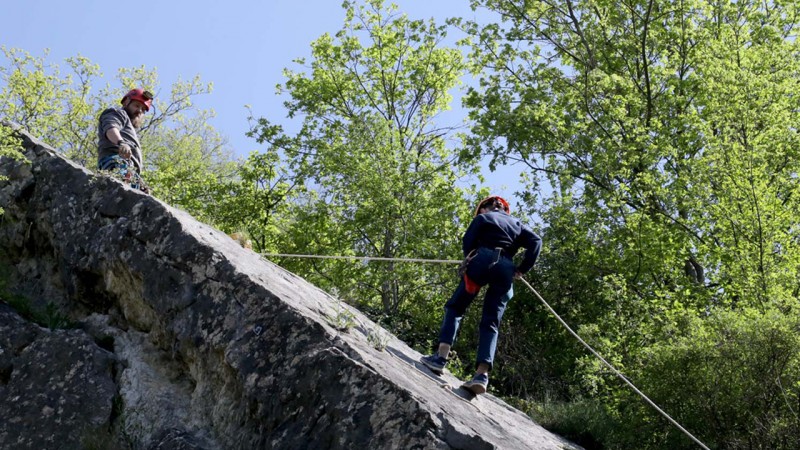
<point>478,384</point>
<point>434,362</point>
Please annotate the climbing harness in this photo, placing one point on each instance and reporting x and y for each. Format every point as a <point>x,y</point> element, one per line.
<point>124,170</point>
<point>462,268</point>
<point>619,374</point>
<point>499,252</point>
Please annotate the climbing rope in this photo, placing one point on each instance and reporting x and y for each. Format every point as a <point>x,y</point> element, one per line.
<point>616,372</point>
<point>124,170</point>
<point>619,374</point>
<point>364,259</point>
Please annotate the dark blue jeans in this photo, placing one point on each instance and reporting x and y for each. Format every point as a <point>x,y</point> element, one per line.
<point>488,267</point>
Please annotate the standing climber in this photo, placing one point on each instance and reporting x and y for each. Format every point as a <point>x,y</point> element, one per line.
<point>489,244</point>
<point>118,144</point>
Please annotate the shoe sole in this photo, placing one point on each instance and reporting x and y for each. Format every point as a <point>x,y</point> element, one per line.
<point>432,369</point>
<point>476,389</point>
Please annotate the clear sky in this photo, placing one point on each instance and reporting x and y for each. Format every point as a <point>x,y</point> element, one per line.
<point>241,46</point>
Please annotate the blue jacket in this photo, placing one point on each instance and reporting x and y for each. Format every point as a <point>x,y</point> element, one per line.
<point>497,229</point>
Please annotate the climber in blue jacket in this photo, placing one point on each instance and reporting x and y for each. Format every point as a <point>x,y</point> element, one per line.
<point>489,244</point>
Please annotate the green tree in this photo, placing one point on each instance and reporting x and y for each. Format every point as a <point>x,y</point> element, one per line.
<point>382,175</point>
<point>54,107</point>
<point>185,158</point>
<point>187,161</point>
<point>667,134</point>
<point>258,200</point>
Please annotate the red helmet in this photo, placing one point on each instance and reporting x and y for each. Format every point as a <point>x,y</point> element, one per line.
<point>492,200</point>
<point>139,94</point>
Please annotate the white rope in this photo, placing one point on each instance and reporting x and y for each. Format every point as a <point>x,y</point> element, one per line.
<point>552,311</point>
<point>366,258</point>
<point>617,372</point>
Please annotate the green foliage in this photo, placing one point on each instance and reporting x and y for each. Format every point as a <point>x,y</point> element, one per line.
<point>10,143</point>
<point>344,319</point>
<point>667,128</point>
<point>732,376</point>
<point>10,146</point>
<point>377,338</point>
<point>381,179</point>
<point>662,137</point>
<point>585,422</point>
<point>257,200</point>
<point>53,107</point>
<point>50,316</point>
<point>186,160</point>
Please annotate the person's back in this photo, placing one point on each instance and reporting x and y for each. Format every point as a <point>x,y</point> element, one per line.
<point>489,244</point>
<point>499,230</point>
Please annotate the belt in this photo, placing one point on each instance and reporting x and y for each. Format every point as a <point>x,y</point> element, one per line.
<point>503,252</point>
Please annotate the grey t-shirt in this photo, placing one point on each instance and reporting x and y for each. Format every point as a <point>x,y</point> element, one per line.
<point>118,118</point>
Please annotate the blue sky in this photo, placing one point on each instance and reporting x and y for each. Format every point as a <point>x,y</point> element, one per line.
<point>241,46</point>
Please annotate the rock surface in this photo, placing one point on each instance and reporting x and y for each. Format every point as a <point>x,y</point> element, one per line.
<point>186,340</point>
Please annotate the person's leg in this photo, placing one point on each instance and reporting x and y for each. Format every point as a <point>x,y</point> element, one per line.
<point>494,305</point>
<point>455,308</point>
<point>501,289</point>
<point>454,311</point>
<point>468,288</point>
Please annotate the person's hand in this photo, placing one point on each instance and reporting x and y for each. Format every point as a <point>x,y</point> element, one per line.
<point>124,151</point>
<point>517,275</point>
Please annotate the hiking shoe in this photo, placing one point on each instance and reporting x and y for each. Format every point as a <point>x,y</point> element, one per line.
<point>478,384</point>
<point>434,362</point>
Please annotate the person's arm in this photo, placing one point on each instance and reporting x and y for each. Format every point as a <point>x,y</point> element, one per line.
<point>533,245</point>
<point>115,137</point>
<point>470,240</point>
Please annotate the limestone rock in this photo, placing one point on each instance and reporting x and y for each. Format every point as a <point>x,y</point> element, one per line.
<point>217,347</point>
<point>56,387</point>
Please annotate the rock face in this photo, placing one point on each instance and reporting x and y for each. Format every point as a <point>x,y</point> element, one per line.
<point>48,377</point>
<point>186,340</point>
